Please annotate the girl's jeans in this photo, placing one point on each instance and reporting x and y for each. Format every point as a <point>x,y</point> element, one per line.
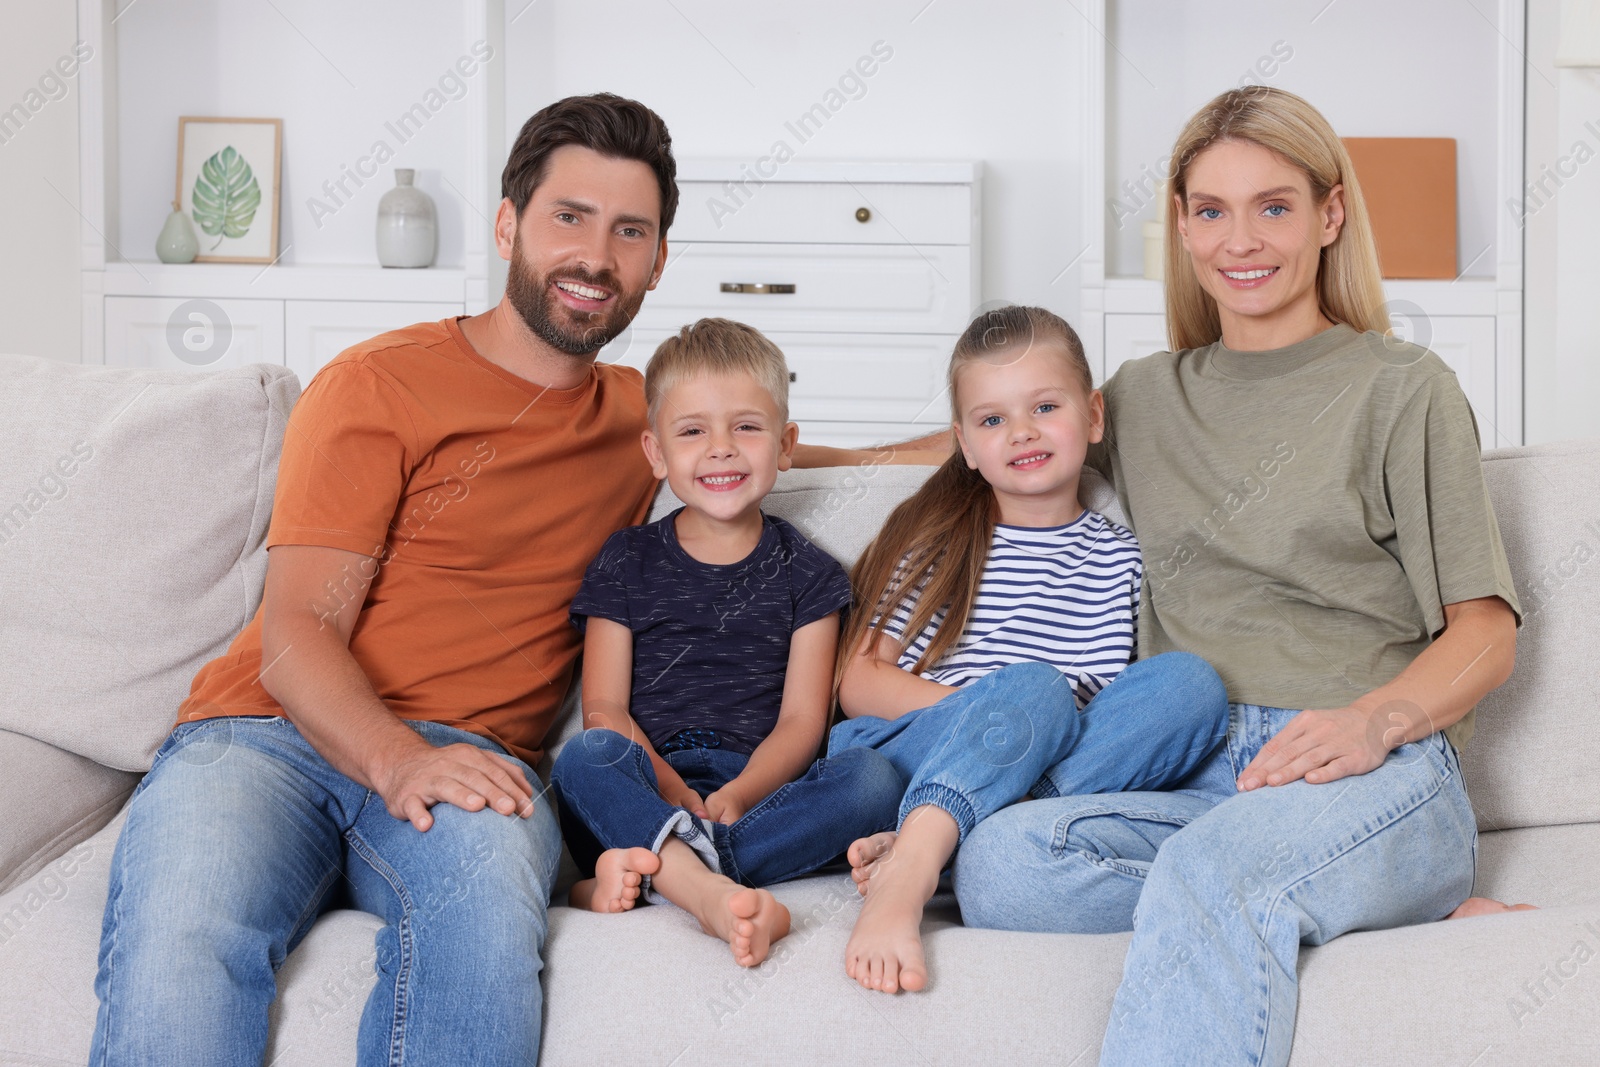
<point>609,798</point>
<point>1017,731</point>
<point>242,835</point>
<point>1222,888</point>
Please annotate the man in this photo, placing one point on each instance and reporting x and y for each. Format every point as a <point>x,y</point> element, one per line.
<point>368,740</point>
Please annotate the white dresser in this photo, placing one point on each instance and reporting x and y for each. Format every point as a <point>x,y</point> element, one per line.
<point>863,273</point>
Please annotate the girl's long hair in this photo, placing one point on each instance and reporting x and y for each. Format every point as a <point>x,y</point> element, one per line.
<point>1349,286</point>
<point>942,531</point>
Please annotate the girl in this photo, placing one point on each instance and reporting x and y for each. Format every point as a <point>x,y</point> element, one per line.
<point>995,613</point>
<point>1358,608</point>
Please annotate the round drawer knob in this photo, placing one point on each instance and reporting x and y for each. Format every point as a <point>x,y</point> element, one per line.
<point>863,215</point>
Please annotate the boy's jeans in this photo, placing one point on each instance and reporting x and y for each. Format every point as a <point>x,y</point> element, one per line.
<point>609,798</point>
<point>1240,882</point>
<point>1017,731</point>
<point>241,835</point>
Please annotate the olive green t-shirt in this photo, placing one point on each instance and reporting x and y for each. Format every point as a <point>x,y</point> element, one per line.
<point>1305,512</point>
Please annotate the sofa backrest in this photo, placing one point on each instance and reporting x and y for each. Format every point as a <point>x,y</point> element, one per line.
<point>133,510</point>
<point>1532,760</point>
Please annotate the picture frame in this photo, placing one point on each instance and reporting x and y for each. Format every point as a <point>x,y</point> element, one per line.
<point>229,178</point>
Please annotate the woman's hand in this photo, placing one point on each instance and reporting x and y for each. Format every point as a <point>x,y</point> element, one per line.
<point>1326,745</point>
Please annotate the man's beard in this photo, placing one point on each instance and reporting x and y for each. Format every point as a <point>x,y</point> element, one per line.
<point>542,311</point>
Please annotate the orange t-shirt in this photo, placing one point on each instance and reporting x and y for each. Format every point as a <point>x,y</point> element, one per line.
<point>482,496</point>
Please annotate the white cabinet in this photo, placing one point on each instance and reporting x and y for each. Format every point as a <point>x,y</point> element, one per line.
<point>863,273</point>
<point>317,330</point>
<point>175,332</point>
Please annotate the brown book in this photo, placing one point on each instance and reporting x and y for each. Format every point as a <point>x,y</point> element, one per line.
<point>1410,187</point>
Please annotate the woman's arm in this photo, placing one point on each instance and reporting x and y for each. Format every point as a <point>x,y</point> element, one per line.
<point>785,753</point>
<point>874,683</point>
<point>1473,656</point>
<point>607,689</point>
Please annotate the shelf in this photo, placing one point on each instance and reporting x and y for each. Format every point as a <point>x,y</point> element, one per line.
<point>254,281</point>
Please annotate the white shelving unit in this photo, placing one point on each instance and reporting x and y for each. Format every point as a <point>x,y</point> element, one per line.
<point>1138,89</point>
<point>155,62</point>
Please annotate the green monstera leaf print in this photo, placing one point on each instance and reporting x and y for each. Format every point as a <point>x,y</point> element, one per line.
<point>226,195</point>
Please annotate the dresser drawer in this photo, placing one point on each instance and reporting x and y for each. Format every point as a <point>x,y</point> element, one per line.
<point>815,212</point>
<point>872,378</point>
<point>829,288</point>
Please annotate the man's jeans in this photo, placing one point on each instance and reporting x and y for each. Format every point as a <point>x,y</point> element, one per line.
<point>1222,888</point>
<point>609,798</point>
<point>242,835</point>
<point>1017,731</point>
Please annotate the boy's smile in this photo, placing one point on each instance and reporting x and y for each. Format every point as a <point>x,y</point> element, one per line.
<point>719,441</point>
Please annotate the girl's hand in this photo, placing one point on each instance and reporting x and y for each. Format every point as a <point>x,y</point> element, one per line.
<point>1325,745</point>
<point>725,807</point>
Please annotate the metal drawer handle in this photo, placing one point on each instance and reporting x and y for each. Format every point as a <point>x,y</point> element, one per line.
<point>756,287</point>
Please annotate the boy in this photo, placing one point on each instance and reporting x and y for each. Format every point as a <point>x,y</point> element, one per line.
<point>710,639</point>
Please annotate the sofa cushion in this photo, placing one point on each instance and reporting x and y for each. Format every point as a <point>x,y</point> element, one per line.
<point>1532,760</point>
<point>52,800</point>
<point>996,996</point>
<point>133,507</point>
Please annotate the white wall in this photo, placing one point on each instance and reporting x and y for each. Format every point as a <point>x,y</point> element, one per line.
<point>1562,305</point>
<point>39,304</point>
<point>992,81</point>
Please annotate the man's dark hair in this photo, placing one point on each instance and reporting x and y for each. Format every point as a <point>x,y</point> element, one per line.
<point>606,123</point>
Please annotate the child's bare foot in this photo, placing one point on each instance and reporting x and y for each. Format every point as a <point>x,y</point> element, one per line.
<point>885,948</point>
<point>865,854</point>
<point>618,874</point>
<point>749,920</point>
<point>1475,906</point>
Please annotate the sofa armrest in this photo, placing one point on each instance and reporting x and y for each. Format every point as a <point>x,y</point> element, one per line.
<point>51,800</point>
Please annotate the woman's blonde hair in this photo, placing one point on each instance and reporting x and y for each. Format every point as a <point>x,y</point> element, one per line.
<point>935,544</point>
<point>1349,289</point>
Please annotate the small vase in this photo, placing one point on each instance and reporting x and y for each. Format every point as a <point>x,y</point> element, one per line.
<point>177,242</point>
<point>407,226</point>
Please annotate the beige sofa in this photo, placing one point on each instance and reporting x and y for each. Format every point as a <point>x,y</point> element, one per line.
<point>133,505</point>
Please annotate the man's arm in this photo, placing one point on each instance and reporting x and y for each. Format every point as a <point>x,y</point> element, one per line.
<point>929,451</point>
<point>607,696</point>
<point>791,747</point>
<point>308,669</point>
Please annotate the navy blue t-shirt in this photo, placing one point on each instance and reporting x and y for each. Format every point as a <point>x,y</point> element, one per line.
<point>710,642</point>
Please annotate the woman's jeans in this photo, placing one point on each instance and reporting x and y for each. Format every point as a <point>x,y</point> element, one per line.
<point>1017,731</point>
<point>1222,888</point>
<point>242,835</point>
<point>609,798</point>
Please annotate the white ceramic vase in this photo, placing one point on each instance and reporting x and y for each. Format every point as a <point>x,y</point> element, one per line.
<point>408,228</point>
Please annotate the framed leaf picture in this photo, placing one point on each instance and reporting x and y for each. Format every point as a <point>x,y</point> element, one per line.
<point>228,177</point>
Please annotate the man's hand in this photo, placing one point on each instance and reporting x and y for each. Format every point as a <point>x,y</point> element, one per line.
<point>726,806</point>
<point>459,774</point>
<point>1326,745</point>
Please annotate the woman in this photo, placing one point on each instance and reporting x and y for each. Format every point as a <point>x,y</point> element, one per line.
<point>1310,502</point>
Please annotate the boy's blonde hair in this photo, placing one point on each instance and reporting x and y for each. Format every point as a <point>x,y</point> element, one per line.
<point>717,346</point>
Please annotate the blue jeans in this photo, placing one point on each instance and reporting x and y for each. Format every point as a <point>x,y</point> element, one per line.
<point>1221,888</point>
<point>609,798</point>
<point>1017,731</point>
<point>241,835</point>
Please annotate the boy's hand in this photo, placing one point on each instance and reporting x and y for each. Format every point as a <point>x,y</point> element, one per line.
<point>725,806</point>
<point>679,795</point>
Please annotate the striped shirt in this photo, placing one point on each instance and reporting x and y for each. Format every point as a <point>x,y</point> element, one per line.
<point>1063,595</point>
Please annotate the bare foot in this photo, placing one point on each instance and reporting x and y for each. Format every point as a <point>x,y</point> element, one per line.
<point>885,948</point>
<point>618,874</point>
<point>1475,906</point>
<point>749,920</point>
<point>866,853</point>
